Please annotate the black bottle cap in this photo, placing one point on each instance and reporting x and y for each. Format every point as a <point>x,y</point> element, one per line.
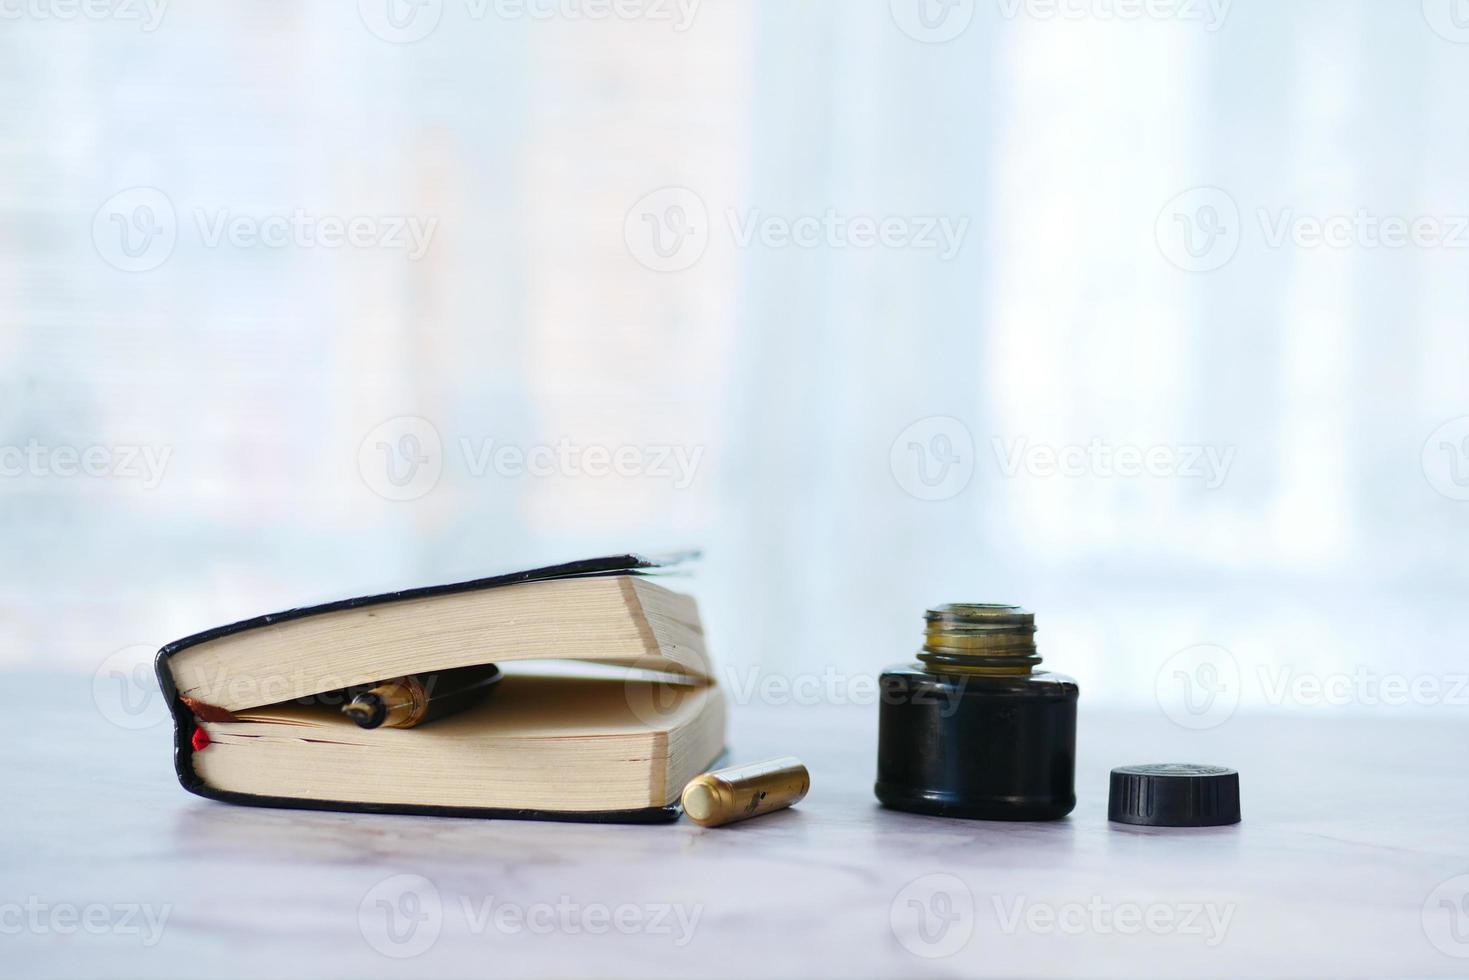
<point>1174,794</point>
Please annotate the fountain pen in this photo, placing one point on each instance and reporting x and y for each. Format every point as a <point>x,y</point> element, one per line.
<point>405,702</point>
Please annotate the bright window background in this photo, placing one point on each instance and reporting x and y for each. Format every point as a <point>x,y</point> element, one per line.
<point>1333,546</point>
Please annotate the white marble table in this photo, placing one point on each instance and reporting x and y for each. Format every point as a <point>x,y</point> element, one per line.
<point>108,868</point>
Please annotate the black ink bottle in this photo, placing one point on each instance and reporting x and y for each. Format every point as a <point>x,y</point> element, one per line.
<point>973,730</point>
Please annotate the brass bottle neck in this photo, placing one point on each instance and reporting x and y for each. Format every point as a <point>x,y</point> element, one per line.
<point>979,638</point>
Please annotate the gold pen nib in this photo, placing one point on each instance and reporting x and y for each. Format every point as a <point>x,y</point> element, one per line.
<point>408,701</point>
<point>366,710</point>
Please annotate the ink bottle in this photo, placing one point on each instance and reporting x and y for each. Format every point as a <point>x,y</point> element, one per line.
<point>972,730</point>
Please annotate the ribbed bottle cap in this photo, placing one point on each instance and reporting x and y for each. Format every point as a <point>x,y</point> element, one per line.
<point>1174,794</point>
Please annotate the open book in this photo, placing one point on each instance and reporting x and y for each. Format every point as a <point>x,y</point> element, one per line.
<point>257,716</point>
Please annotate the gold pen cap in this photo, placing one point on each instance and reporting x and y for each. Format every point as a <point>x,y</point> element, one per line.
<point>741,792</point>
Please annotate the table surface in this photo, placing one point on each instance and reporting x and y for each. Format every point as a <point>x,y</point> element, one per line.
<point>1348,862</point>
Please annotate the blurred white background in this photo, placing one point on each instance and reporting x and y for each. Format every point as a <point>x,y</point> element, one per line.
<point>1149,316</point>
